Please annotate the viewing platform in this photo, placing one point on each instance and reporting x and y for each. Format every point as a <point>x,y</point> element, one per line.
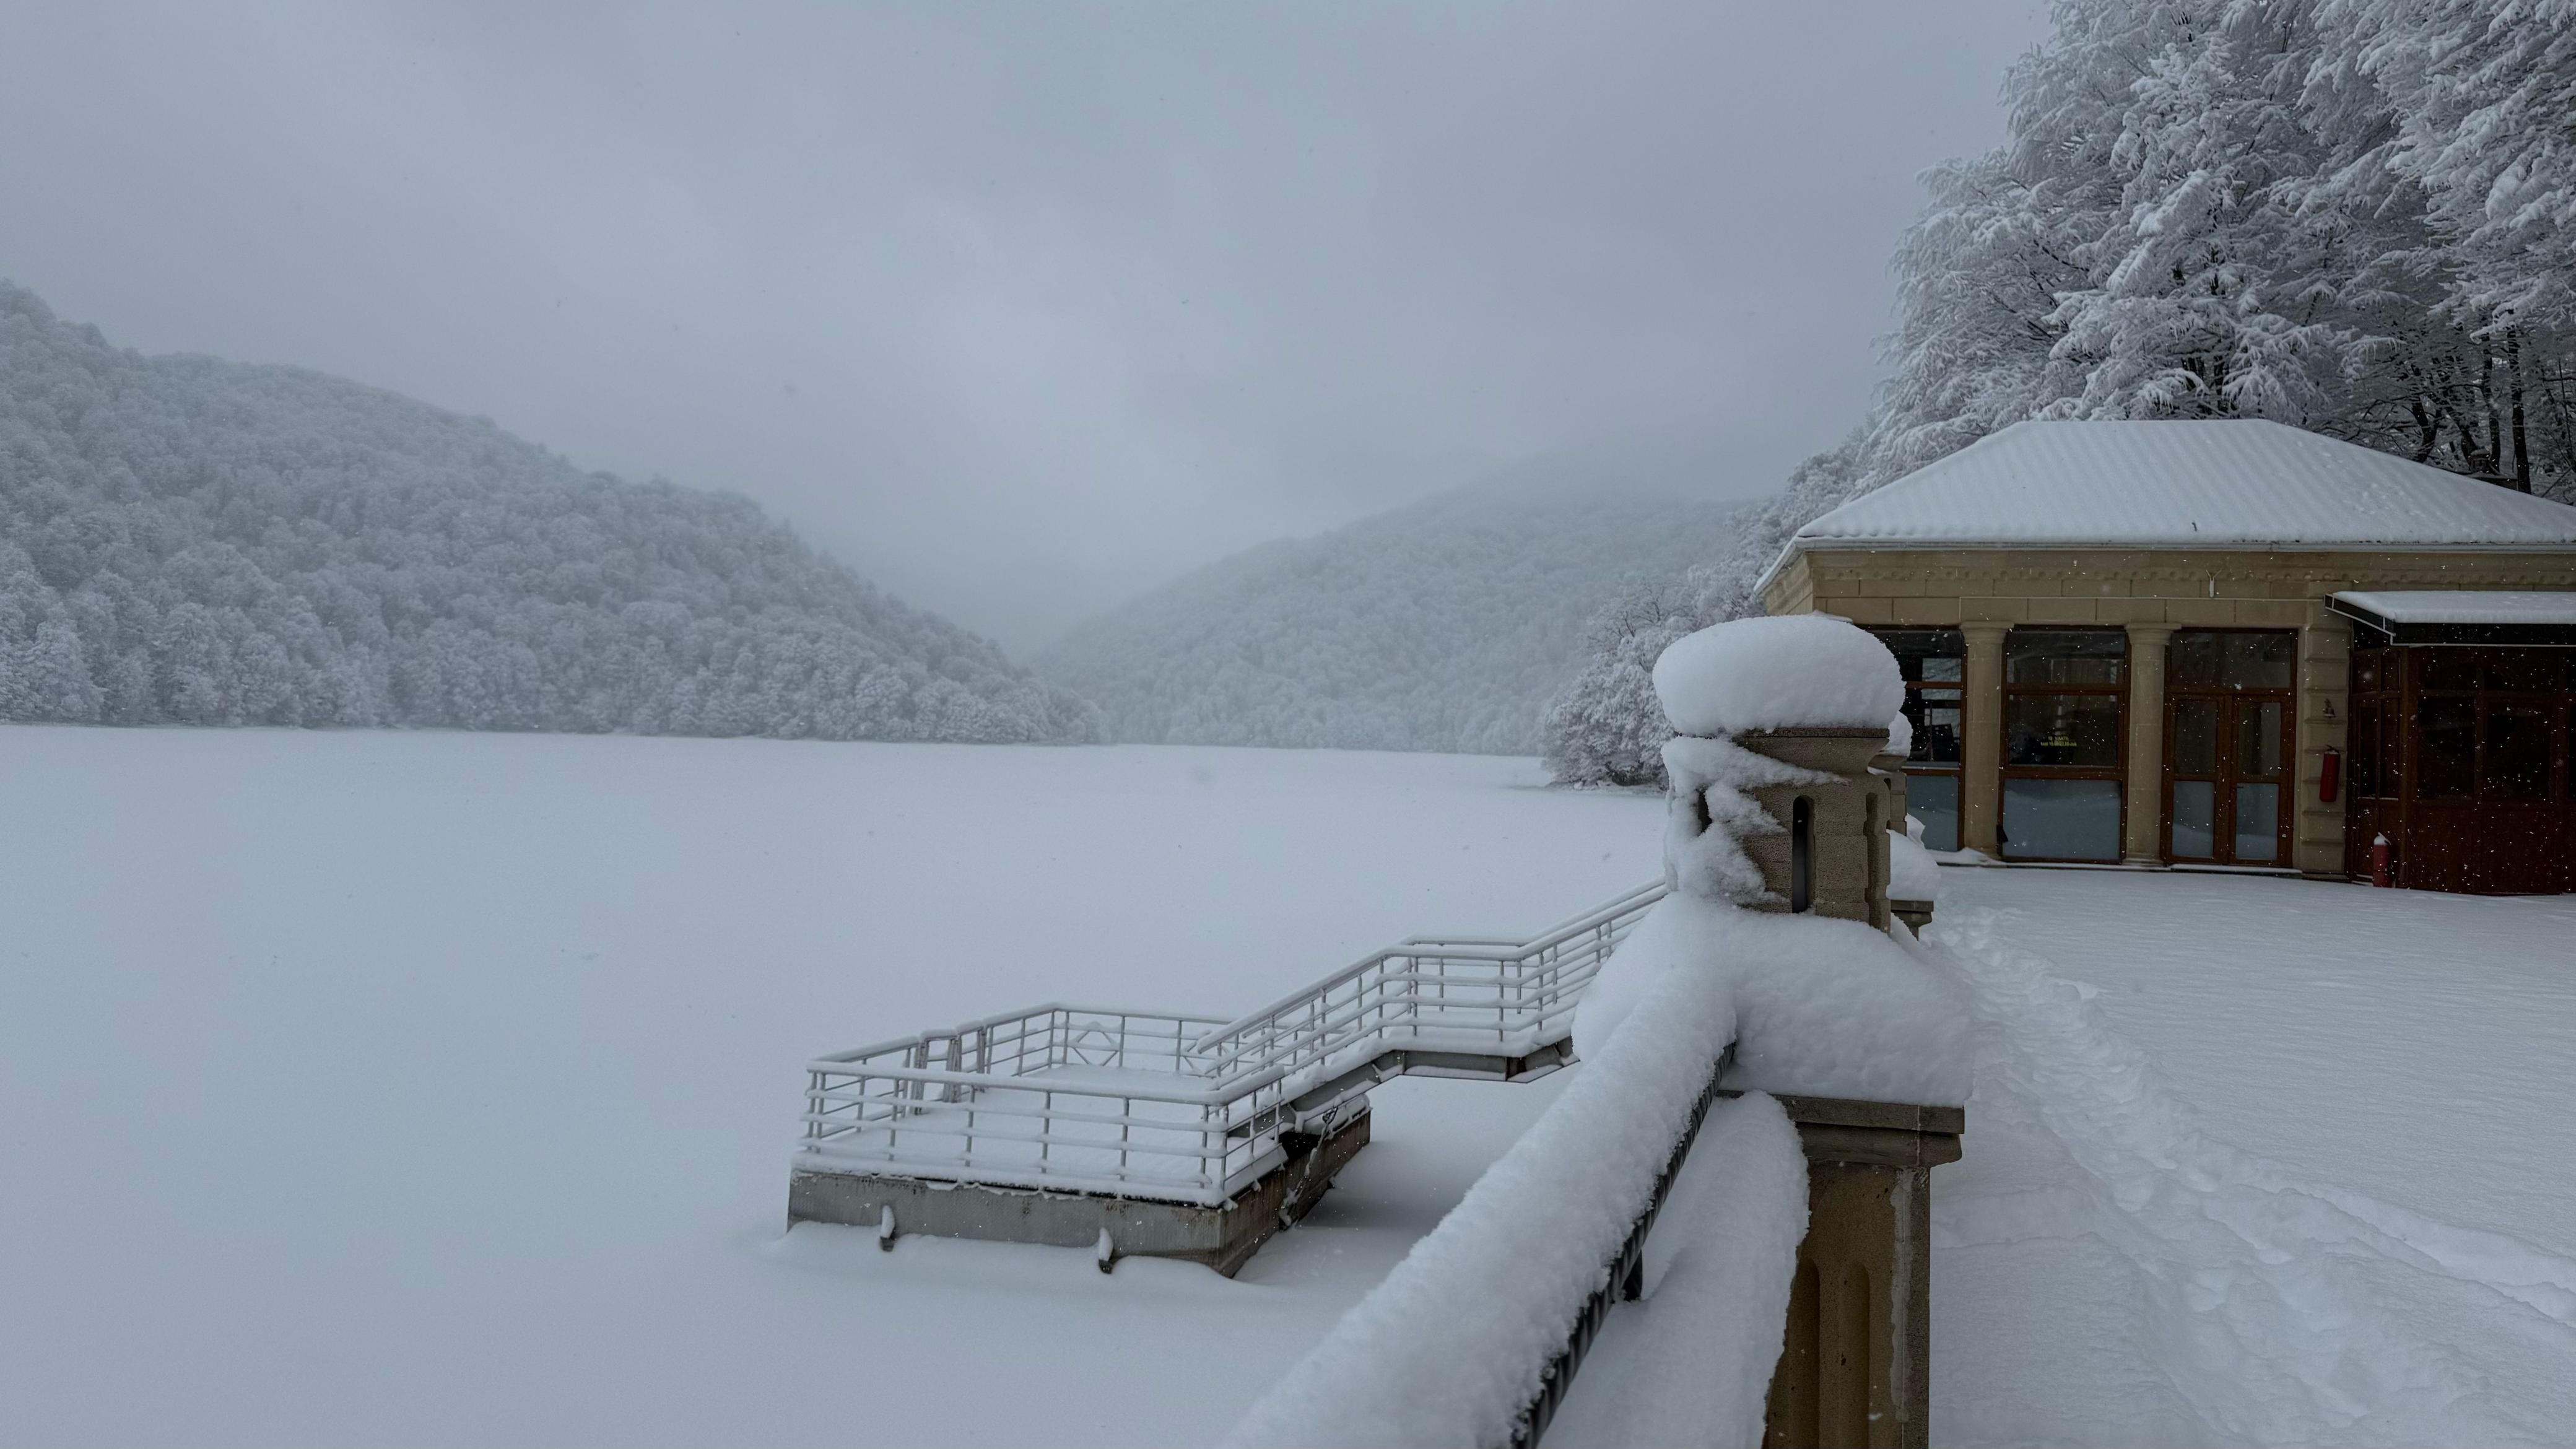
<point>1145,1133</point>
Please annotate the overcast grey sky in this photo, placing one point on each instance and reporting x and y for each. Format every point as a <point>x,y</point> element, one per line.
<point>1018,308</point>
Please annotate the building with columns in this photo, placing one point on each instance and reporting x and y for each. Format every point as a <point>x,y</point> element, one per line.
<point>2220,643</point>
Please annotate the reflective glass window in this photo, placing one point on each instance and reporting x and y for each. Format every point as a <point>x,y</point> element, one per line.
<point>2196,736</point>
<point>2230,659</point>
<point>2516,763</point>
<point>2530,671</point>
<point>2258,824</point>
<point>1934,800</point>
<point>2079,730</point>
<point>2446,747</point>
<point>1934,714</point>
<point>2066,656</point>
<point>2062,819</point>
<point>2258,737</point>
<point>2447,668</point>
<point>2195,819</point>
<point>1925,654</point>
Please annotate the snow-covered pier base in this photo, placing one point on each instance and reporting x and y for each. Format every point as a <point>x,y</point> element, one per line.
<point>1222,1236</point>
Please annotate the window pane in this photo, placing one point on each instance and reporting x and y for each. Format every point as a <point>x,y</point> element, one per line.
<point>2195,820</point>
<point>1934,713</point>
<point>2258,737</point>
<point>1925,653</point>
<point>2531,670</point>
<point>2517,757</point>
<point>1934,800</point>
<point>2450,668</point>
<point>2261,661</point>
<point>2214,659</point>
<point>2063,729</point>
<point>2062,819</point>
<point>2258,824</point>
<point>2446,748</point>
<point>2196,736</point>
<point>2365,750</point>
<point>2066,656</point>
<point>2193,659</point>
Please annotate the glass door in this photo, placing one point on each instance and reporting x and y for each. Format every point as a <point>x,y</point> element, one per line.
<point>1931,661</point>
<point>2227,739</point>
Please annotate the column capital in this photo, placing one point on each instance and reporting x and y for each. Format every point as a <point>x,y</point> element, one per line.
<point>2152,631</point>
<point>1986,628</point>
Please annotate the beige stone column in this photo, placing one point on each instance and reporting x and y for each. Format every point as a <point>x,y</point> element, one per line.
<point>2144,842</point>
<point>2325,699</point>
<point>1855,1369</point>
<point>1981,729</point>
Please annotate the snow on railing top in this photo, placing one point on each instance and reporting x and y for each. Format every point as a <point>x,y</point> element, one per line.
<point>1473,1336</point>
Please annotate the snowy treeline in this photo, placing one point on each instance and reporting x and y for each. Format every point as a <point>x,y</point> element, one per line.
<point>1446,625</point>
<point>186,540</point>
<point>2355,216</point>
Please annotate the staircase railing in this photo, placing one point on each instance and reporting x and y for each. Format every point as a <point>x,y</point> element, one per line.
<point>1477,993</point>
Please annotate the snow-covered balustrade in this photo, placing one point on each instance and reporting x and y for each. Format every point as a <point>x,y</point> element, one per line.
<point>1771,965</point>
<point>1474,1337</point>
<point>1190,1109</point>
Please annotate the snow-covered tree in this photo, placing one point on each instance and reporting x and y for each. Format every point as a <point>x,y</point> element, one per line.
<point>188,541</point>
<point>2351,215</point>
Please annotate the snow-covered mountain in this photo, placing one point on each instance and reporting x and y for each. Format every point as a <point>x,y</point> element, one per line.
<point>191,541</point>
<point>1446,625</point>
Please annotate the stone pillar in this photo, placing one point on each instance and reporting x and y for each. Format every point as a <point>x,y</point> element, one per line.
<point>2144,833</point>
<point>1981,731</point>
<point>1855,1361</point>
<point>2325,699</point>
<point>1847,821</point>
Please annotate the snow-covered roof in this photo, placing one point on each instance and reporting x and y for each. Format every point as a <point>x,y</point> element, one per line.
<point>2232,483</point>
<point>2462,606</point>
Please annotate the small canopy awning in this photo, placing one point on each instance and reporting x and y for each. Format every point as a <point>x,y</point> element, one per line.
<point>2462,616</point>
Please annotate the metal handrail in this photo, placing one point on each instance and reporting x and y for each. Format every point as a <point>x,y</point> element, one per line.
<point>1006,1099</point>
<point>1633,903</point>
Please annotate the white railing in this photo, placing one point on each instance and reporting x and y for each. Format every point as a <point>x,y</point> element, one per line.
<point>1492,997</point>
<point>1074,1098</point>
<point>1189,1108</point>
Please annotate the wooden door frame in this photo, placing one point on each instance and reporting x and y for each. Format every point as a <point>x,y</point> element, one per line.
<point>2006,771</point>
<point>2222,794</point>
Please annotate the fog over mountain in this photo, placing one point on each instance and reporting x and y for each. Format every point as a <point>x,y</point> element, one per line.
<point>1446,625</point>
<point>185,540</point>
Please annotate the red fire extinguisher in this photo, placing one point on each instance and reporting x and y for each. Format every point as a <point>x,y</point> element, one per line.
<point>2379,861</point>
<point>2332,775</point>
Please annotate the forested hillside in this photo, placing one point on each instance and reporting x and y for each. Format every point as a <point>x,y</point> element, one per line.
<point>2355,216</point>
<point>1442,626</point>
<point>190,541</point>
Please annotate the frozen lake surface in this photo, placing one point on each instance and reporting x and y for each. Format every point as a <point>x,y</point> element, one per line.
<point>428,1088</point>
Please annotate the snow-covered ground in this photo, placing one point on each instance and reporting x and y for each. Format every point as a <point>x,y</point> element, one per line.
<point>2258,1160</point>
<point>432,1088</point>
<point>422,1088</point>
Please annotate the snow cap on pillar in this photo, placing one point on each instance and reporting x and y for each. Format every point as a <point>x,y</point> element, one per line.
<point>1793,671</point>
